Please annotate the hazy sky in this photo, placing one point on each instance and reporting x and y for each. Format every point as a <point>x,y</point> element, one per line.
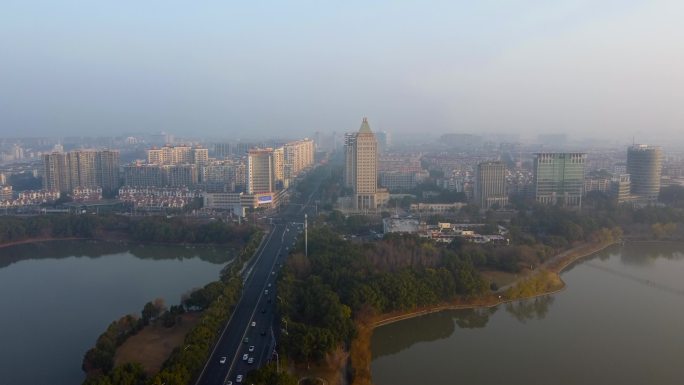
<point>244,68</point>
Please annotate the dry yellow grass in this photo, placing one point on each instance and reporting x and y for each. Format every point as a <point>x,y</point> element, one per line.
<point>153,345</point>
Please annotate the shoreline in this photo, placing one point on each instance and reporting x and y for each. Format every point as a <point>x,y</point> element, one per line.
<point>41,240</point>
<point>360,352</point>
<point>106,239</point>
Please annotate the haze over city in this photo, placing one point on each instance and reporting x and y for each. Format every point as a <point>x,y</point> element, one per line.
<point>341,193</point>
<point>609,69</point>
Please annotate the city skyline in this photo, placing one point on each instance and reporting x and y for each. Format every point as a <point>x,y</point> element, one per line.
<point>607,70</point>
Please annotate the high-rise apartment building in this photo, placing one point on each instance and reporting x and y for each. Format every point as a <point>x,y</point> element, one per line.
<point>298,156</point>
<point>260,171</point>
<point>82,168</point>
<point>644,165</point>
<point>174,155</point>
<point>180,175</point>
<point>559,178</point>
<point>143,175</point>
<point>279,166</point>
<point>490,185</point>
<point>107,171</point>
<point>362,167</point>
<point>222,150</point>
<point>56,172</point>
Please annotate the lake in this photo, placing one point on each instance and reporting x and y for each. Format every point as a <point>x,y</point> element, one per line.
<point>58,297</point>
<point>619,321</point>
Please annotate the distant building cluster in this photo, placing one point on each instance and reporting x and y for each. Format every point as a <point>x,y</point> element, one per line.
<point>401,172</point>
<point>444,232</point>
<point>241,177</point>
<point>156,198</point>
<point>29,198</point>
<point>237,176</point>
<point>86,194</point>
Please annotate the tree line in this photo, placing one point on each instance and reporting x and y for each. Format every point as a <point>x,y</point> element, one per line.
<point>147,229</point>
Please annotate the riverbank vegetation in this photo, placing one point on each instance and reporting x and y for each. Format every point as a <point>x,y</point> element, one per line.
<point>214,303</point>
<point>334,296</point>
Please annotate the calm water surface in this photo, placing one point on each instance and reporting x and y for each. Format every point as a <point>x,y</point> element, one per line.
<point>57,297</point>
<point>620,321</point>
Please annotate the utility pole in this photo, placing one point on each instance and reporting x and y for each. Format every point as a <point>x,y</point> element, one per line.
<point>306,237</point>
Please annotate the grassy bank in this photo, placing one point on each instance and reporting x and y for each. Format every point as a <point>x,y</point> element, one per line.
<point>543,281</point>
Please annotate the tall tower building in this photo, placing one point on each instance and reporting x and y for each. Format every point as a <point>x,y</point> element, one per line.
<point>107,171</point>
<point>279,165</point>
<point>200,156</point>
<point>362,167</point>
<point>349,159</point>
<point>260,171</point>
<point>490,185</point>
<point>644,165</point>
<point>82,165</point>
<point>559,178</point>
<point>56,172</point>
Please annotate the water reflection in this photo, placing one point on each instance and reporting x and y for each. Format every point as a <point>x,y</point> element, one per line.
<point>432,327</point>
<point>643,254</point>
<point>96,249</point>
<point>618,322</point>
<point>530,309</point>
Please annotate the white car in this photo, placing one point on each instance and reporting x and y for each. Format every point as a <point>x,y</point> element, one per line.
<point>222,360</point>
<point>251,348</point>
<point>250,360</point>
<point>238,379</point>
<point>253,324</point>
<point>245,357</point>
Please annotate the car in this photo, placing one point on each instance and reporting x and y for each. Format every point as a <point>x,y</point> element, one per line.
<point>250,360</point>
<point>253,323</point>
<point>251,348</point>
<point>269,285</point>
<point>246,340</point>
<point>273,273</point>
<point>245,357</point>
<point>229,383</point>
<point>266,291</point>
<point>223,360</point>
<point>238,379</point>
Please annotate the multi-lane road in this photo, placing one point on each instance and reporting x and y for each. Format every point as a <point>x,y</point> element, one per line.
<point>248,340</point>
